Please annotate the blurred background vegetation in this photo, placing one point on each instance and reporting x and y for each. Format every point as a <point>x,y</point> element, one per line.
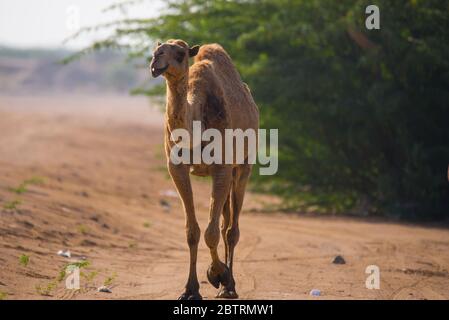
<point>39,72</point>
<point>362,115</point>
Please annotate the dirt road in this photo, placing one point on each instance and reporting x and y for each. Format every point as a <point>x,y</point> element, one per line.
<point>96,184</point>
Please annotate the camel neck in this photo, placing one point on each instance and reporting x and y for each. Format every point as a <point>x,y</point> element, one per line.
<point>177,102</point>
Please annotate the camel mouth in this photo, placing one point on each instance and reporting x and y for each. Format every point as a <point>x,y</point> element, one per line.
<point>156,72</point>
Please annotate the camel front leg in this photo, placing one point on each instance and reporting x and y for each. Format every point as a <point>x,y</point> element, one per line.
<point>180,176</point>
<point>218,272</point>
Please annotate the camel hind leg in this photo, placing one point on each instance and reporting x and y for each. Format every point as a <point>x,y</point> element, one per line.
<point>240,179</point>
<point>218,272</point>
<point>225,223</point>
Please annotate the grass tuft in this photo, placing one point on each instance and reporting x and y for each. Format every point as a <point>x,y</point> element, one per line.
<point>109,280</point>
<point>45,290</point>
<point>24,260</point>
<point>83,229</point>
<point>89,276</point>
<point>12,205</point>
<point>22,188</point>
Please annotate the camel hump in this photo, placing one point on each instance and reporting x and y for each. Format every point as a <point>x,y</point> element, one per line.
<point>220,59</point>
<point>212,52</point>
<point>213,69</point>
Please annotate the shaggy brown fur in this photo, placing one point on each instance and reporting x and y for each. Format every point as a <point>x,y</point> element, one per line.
<point>212,92</point>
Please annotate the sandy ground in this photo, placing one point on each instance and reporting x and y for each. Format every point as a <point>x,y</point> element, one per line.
<point>103,195</point>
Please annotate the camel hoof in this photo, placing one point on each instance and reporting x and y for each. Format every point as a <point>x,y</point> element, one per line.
<point>216,277</point>
<point>190,296</point>
<point>227,294</point>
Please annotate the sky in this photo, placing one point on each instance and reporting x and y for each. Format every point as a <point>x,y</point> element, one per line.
<point>46,23</point>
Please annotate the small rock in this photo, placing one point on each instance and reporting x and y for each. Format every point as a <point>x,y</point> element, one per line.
<point>27,224</point>
<point>64,253</point>
<point>164,204</point>
<point>339,260</point>
<point>104,289</point>
<point>315,292</point>
<point>87,243</point>
<point>84,194</point>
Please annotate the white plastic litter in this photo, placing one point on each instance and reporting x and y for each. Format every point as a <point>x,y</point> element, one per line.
<point>64,253</point>
<point>169,193</point>
<point>315,292</point>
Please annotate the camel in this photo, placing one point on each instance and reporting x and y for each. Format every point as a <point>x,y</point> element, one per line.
<point>210,91</point>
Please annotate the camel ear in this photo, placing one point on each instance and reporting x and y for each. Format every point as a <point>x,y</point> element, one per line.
<point>193,51</point>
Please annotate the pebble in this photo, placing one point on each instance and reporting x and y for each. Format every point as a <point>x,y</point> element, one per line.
<point>339,260</point>
<point>315,292</point>
<point>164,204</point>
<point>104,289</point>
<point>65,253</point>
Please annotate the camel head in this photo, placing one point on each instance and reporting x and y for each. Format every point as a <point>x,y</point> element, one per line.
<point>172,58</point>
